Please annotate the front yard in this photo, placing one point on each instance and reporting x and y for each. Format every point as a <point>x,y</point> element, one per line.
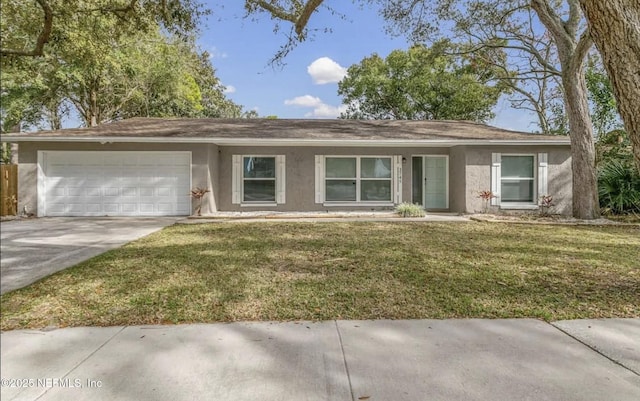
<point>367,270</point>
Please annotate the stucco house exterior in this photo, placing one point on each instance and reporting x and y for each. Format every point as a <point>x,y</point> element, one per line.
<point>147,166</point>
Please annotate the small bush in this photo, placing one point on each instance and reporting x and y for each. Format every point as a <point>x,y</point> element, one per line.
<point>546,203</point>
<point>619,188</point>
<point>410,210</point>
<point>486,197</point>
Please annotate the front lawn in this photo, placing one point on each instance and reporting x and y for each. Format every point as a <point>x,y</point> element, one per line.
<point>366,270</point>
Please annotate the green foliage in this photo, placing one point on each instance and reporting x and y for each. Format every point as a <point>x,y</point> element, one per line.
<point>420,84</point>
<point>410,210</point>
<point>614,145</point>
<point>105,75</point>
<point>618,177</point>
<point>25,31</point>
<point>619,187</point>
<point>604,112</point>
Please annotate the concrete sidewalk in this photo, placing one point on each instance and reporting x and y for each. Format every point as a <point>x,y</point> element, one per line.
<point>469,359</point>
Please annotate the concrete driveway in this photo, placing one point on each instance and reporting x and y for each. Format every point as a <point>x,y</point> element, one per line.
<point>35,248</point>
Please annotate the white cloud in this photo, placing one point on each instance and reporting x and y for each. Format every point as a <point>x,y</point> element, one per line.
<point>326,71</point>
<point>304,101</point>
<point>326,111</point>
<point>229,89</point>
<point>214,52</point>
<point>320,109</point>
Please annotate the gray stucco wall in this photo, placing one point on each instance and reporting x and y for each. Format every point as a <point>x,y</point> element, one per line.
<point>457,179</point>
<point>478,173</point>
<point>469,172</point>
<point>300,174</point>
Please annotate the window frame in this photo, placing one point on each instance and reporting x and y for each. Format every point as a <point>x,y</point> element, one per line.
<point>238,180</point>
<point>358,179</point>
<point>534,179</point>
<point>274,179</point>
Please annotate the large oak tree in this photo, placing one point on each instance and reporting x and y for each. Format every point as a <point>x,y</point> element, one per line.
<point>615,28</point>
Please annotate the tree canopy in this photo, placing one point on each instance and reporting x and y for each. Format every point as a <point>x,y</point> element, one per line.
<point>94,71</point>
<point>29,28</point>
<point>420,84</point>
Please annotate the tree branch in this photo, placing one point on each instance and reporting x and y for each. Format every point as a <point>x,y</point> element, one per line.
<point>575,15</point>
<point>584,44</point>
<point>43,37</point>
<point>551,21</point>
<point>309,8</point>
<point>275,11</point>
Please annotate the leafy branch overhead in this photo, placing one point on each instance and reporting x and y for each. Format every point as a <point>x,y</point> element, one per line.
<point>28,26</point>
<point>101,71</point>
<point>296,12</point>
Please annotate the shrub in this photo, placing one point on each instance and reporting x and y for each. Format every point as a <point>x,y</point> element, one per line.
<point>546,203</point>
<point>486,197</point>
<point>410,210</point>
<point>619,187</point>
<point>199,193</point>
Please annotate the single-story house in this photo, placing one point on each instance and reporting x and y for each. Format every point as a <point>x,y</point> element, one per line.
<point>147,166</point>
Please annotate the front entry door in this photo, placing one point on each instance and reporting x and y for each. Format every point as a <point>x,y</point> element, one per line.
<point>430,182</point>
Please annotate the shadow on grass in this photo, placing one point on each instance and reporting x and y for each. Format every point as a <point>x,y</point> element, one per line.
<point>319,271</point>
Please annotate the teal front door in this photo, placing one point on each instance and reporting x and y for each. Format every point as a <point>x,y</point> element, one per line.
<point>430,181</point>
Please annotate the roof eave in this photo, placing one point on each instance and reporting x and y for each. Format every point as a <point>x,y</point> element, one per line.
<point>289,142</point>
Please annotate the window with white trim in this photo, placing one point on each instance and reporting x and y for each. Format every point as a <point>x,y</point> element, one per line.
<point>518,179</point>
<point>357,179</point>
<point>258,179</point>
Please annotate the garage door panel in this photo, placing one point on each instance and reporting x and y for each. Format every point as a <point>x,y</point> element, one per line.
<point>146,192</point>
<point>117,183</point>
<point>94,207</point>
<point>129,192</point>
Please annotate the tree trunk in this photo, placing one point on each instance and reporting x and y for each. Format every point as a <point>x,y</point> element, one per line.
<point>583,161</point>
<point>614,26</point>
<point>93,109</point>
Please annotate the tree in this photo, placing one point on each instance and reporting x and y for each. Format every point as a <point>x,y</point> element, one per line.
<point>419,84</point>
<point>27,27</point>
<point>614,26</point>
<point>506,24</point>
<point>105,79</point>
<point>563,20</point>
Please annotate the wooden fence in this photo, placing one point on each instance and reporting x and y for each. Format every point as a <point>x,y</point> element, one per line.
<point>9,189</point>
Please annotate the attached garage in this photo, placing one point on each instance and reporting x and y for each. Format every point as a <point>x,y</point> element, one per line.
<point>119,183</point>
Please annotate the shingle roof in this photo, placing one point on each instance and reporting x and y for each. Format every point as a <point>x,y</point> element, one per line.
<point>290,129</point>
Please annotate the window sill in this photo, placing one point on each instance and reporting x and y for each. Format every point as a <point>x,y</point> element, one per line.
<point>258,204</point>
<point>518,206</point>
<point>360,204</point>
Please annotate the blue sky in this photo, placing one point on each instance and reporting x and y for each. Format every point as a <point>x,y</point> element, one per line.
<point>306,85</point>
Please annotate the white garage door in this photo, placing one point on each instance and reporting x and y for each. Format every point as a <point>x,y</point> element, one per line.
<point>114,183</point>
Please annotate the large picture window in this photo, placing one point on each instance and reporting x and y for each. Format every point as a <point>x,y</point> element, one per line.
<point>358,179</point>
<point>517,178</point>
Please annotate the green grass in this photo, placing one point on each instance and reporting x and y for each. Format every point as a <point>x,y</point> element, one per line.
<point>286,271</point>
